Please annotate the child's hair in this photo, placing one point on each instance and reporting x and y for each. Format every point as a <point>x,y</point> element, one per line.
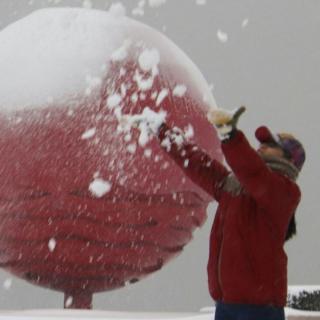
<point>292,228</point>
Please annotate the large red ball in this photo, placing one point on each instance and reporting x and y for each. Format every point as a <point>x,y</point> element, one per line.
<point>83,207</point>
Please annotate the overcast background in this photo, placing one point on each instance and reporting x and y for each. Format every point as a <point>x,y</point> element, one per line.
<point>271,63</point>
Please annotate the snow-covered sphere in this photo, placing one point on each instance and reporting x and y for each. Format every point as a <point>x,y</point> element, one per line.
<point>87,205</point>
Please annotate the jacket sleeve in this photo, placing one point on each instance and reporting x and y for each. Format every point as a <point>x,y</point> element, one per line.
<point>207,173</point>
<point>270,189</point>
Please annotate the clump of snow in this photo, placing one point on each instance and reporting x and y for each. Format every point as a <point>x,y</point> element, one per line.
<point>88,134</point>
<point>148,62</point>
<point>52,244</point>
<point>154,95</point>
<point>179,90</point>
<point>244,23</point>
<point>113,100</point>
<point>132,148</point>
<point>161,96</point>
<point>117,10</point>
<point>99,187</point>
<point>147,153</point>
<point>7,283</point>
<point>201,2</point>
<point>118,112</point>
<point>156,3</point>
<point>150,125</point>
<point>148,122</point>
<point>139,10</point>
<point>122,52</point>
<point>68,302</point>
<point>127,137</point>
<point>222,36</point>
<point>189,132</point>
<point>149,59</point>
<point>144,84</point>
<point>123,90</point>
<point>134,97</point>
<point>176,136</point>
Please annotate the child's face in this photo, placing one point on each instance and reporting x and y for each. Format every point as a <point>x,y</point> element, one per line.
<point>270,150</point>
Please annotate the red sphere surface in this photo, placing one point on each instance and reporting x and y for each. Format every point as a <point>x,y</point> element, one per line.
<point>83,206</point>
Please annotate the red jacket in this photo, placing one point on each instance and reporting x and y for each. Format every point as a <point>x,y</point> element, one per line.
<point>247,261</point>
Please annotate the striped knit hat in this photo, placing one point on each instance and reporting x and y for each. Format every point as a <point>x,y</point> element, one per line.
<point>292,148</point>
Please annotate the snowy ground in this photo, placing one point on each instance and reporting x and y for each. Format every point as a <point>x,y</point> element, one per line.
<point>86,315</point>
<point>90,315</point>
<point>206,313</point>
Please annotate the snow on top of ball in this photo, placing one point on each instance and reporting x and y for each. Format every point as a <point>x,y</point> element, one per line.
<point>59,54</point>
<point>55,53</point>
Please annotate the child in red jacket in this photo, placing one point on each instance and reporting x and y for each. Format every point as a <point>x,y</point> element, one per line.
<point>247,267</point>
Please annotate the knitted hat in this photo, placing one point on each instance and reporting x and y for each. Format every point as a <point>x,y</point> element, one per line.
<point>291,147</point>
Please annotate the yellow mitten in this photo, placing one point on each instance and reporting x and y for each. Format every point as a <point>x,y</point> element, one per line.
<point>225,121</point>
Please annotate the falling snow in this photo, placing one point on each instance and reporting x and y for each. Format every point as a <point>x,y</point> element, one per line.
<point>88,134</point>
<point>162,95</point>
<point>156,3</point>
<point>134,97</point>
<point>148,122</point>
<point>179,90</point>
<point>68,302</point>
<point>222,36</point>
<point>144,84</point>
<point>132,148</point>
<point>122,52</point>
<point>189,132</point>
<point>7,283</point>
<point>99,187</point>
<point>52,244</point>
<point>201,2</point>
<point>149,59</point>
<point>138,11</point>
<point>118,10</point>
<point>113,100</point>
<point>147,153</point>
<point>244,23</point>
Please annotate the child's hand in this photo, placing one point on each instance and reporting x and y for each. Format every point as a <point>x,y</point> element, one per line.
<point>225,121</point>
